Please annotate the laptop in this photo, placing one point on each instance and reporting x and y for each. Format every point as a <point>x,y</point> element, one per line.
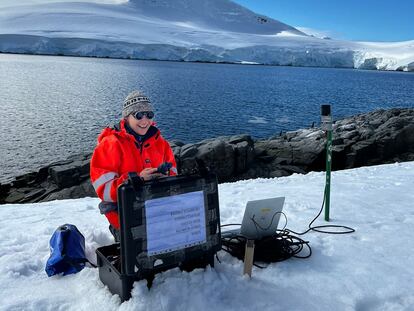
<point>261,218</point>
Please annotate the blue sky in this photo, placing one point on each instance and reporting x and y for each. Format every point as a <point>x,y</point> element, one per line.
<point>363,20</point>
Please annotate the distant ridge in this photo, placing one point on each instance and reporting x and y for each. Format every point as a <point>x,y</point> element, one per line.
<point>184,30</point>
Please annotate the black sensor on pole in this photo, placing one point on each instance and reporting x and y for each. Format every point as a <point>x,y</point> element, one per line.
<point>327,126</point>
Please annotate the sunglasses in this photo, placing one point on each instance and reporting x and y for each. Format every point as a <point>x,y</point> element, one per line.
<point>139,115</point>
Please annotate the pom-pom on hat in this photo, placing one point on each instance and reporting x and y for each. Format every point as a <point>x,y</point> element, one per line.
<point>136,101</point>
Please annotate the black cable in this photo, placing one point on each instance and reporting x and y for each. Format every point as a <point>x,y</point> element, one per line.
<point>258,226</point>
<point>279,246</point>
<point>319,228</point>
<point>218,259</point>
<point>226,225</point>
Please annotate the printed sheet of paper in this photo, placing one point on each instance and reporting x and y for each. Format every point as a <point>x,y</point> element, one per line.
<point>175,222</point>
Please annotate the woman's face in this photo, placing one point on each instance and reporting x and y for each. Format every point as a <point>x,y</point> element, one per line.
<point>140,126</point>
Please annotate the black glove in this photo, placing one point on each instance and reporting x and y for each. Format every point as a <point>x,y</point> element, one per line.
<point>164,168</point>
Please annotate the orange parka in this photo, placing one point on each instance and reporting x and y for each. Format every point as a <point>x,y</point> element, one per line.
<point>117,154</point>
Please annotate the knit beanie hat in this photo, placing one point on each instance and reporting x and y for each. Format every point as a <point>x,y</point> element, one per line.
<point>136,102</point>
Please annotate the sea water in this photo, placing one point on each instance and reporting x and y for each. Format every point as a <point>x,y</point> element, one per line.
<point>53,107</point>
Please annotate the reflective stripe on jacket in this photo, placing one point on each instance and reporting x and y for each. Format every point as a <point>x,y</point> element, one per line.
<point>117,154</point>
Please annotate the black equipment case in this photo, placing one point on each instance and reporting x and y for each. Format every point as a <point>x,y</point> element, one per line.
<point>121,264</point>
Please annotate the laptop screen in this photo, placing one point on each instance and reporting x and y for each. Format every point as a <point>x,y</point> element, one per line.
<point>261,217</point>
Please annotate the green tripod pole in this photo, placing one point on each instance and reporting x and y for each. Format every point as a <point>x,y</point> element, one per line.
<point>327,126</point>
<point>328,173</point>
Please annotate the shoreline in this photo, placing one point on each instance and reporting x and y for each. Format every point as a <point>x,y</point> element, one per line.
<point>203,62</point>
<point>378,137</point>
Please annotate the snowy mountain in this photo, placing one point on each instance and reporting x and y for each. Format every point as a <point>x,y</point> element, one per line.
<point>185,30</point>
<point>370,269</point>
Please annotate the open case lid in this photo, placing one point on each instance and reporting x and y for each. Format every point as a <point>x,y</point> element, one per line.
<point>167,221</point>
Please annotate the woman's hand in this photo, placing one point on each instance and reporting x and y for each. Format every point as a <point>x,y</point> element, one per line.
<point>150,173</point>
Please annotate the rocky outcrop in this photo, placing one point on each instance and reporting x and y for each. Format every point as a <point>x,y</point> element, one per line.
<point>59,180</point>
<point>227,156</point>
<point>383,136</point>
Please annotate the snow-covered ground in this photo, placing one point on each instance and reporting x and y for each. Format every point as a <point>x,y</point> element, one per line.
<point>371,269</point>
<point>189,30</point>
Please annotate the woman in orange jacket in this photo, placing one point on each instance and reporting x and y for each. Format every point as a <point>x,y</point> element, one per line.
<point>133,145</point>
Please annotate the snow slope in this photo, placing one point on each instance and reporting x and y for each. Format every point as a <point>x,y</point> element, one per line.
<point>189,30</point>
<point>368,270</point>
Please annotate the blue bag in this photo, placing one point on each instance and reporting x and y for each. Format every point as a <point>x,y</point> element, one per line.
<point>67,251</point>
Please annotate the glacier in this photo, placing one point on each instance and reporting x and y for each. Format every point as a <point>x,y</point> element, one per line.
<point>218,31</point>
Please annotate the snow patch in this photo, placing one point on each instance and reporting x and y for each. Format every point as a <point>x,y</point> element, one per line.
<point>258,120</point>
<point>363,198</point>
<point>287,33</point>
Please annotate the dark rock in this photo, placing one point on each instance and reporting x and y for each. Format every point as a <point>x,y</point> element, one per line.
<point>364,151</point>
<point>42,174</point>
<point>85,189</point>
<point>33,194</point>
<point>244,155</point>
<point>64,162</point>
<point>23,180</point>
<point>219,156</point>
<point>177,151</point>
<point>14,197</point>
<point>265,158</point>
<point>298,148</point>
<point>65,175</point>
<point>278,173</point>
<point>176,143</point>
<point>50,188</point>
<point>84,168</point>
<point>259,150</point>
<point>188,151</point>
<point>338,141</point>
<point>4,190</point>
<point>348,135</point>
<point>69,173</point>
<point>293,169</point>
<point>241,138</point>
<point>225,156</point>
